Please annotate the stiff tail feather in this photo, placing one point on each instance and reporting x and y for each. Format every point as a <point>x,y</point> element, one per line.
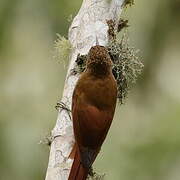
<point>78,172</point>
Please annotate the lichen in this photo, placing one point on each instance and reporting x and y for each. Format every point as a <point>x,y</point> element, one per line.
<point>126,65</point>
<point>47,140</point>
<point>62,49</point>
<point>96,176</point>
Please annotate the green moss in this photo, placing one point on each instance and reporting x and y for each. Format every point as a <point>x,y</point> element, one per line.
<point>62,49</point>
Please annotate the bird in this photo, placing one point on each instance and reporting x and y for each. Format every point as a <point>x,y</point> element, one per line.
<point>93,107</point>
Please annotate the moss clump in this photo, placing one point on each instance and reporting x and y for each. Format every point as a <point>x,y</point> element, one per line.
<point>62,49</point>
<point>126,65</point>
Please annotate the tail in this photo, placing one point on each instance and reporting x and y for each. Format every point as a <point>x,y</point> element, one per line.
<point>78,172</point>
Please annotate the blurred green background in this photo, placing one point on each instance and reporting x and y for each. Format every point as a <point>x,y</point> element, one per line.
<point>144,141</point>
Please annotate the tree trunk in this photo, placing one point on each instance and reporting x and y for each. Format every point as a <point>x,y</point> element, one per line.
<point>88,26</point>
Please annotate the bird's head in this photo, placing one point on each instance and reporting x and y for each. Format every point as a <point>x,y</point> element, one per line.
<point>99,60</point>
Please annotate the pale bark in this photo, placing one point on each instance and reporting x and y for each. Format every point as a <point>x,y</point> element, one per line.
<point>89,25</point>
